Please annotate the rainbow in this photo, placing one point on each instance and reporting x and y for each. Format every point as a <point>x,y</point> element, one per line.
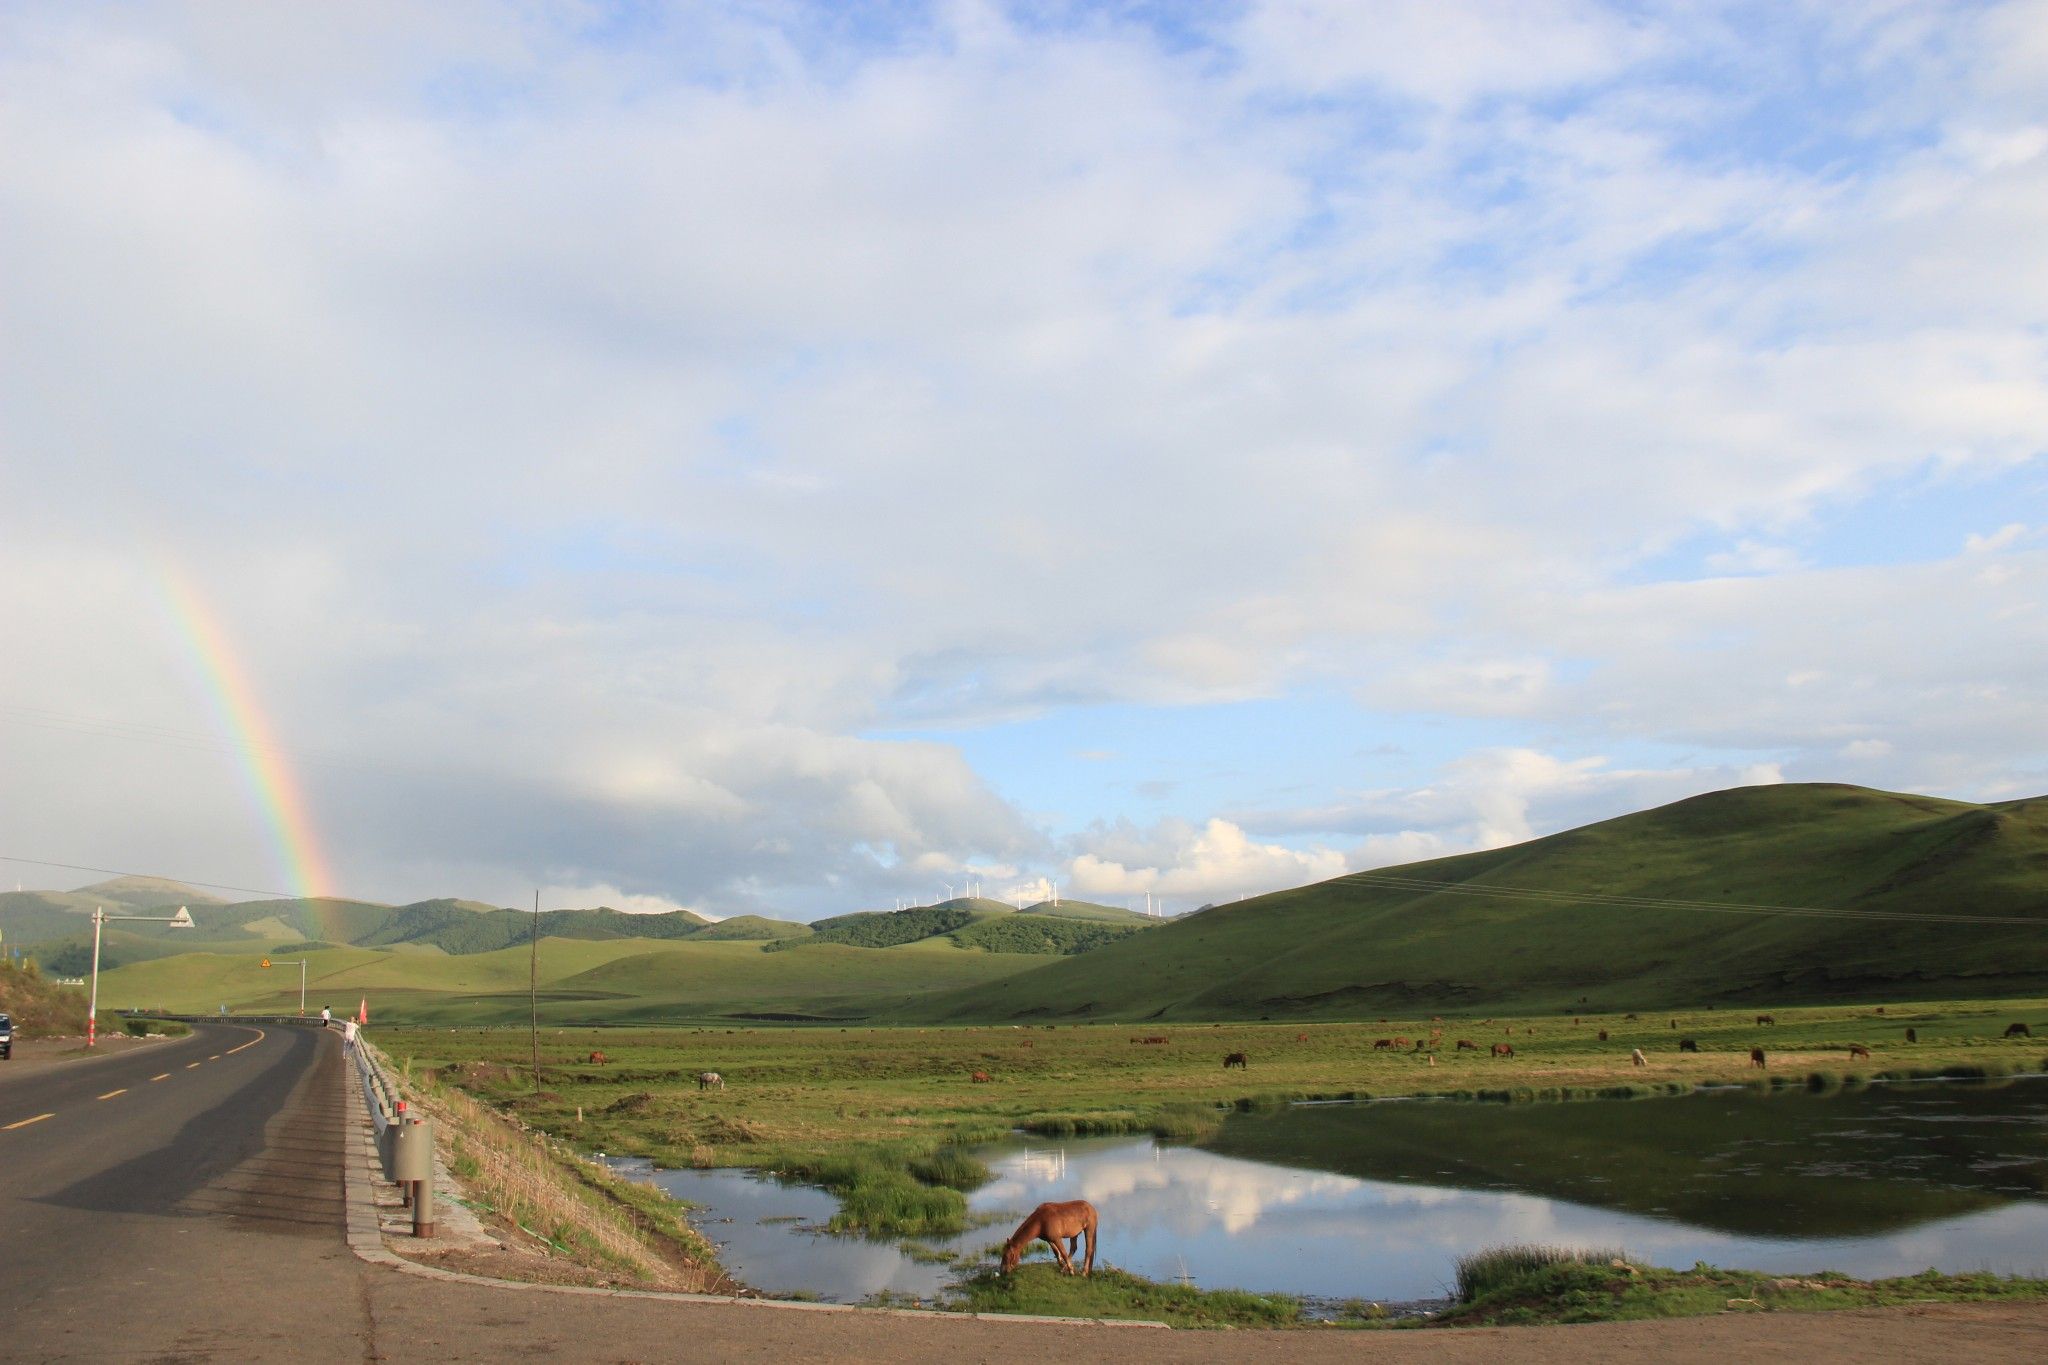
<point>271,784</point>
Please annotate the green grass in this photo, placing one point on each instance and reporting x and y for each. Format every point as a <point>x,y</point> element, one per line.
<point>1495,1268</point>
<point>1110,1293</point>
<point>1348,949</point>
<point>880,1116</point>
<point>581,981</point>
<point>853,1106</point>
<point>1529,1285</point>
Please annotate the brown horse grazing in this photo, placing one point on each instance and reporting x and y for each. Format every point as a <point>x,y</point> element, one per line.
<point>2018,1031</point>
<point>1399,1041</point>
<point>1382,1043</point>
<point>1756,1058</point>
<point>1688,1045</point>
<point>1467,1045</point>
<point>1603,1035</point>
<point>598,1059</point>
<point>1301,1037</point>
<point>1503,1050</point>
<point>981,1078</point>
<point>1858,1050</point>
<point>1912,1035</point>
<point>1236,1059</point>
<point>1052,1224</point>
<point>1766,1019</point>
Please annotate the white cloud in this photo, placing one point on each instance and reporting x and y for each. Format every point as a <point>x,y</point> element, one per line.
<point>1206,863</point>
<point>602,894</point>
<point>598,449</point>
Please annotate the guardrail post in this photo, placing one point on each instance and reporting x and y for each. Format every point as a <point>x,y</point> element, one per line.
<point>387,1141</point>
<point>416,1173</point>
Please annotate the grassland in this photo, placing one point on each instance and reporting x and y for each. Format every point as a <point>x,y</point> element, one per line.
<point>856,1107</point>
<point>625,981</point>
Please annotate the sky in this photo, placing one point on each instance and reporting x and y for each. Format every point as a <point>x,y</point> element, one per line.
<point>791,458</point>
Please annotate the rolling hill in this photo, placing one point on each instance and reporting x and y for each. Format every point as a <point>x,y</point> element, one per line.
<point>56,925</point>
<point>582,981</point>
<point>989,925</point>
<point>1526,926</point>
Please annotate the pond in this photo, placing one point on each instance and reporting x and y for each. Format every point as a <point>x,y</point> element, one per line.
<point>1378,1200</point>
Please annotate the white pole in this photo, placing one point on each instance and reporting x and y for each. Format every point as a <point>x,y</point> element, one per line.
<point>92,1009</point>
<point>302,988</point>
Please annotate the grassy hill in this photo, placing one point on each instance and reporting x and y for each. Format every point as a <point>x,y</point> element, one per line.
<point>581,981</point>
<point>1088,910</point>
<point>970,922</point>
<point>753,927</point>
<point>1355,946</point>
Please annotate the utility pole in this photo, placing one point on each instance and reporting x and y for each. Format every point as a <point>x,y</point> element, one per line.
<point>533,986</point>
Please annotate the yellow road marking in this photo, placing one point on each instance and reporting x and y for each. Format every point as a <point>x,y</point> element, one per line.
<point>111,1093</point>
<point>26,1122</point>
<point>260,1036</point>
<point>190,1065</point>
<point>166,1076</point>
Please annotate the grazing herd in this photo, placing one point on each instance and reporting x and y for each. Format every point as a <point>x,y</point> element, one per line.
<point>712,1080</point>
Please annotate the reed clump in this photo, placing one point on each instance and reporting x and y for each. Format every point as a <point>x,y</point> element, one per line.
<point>1483,1272</point>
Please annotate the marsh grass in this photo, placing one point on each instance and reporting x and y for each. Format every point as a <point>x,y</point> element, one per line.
<point>880,1195</point>
<point>1484,1272</point>
<point>953,1168</point>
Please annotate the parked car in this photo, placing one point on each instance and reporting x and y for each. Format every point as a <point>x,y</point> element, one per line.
<point>6,1038</point>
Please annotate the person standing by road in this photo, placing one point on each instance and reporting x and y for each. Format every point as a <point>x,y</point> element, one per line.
<point>326,1016</point>
<point>348,1035</point>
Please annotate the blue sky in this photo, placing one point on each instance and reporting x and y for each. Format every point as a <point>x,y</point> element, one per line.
<point>785,458</point>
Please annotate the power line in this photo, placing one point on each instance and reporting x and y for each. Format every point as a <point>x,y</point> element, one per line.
<point>186,881</point>
<point>1529,893</point>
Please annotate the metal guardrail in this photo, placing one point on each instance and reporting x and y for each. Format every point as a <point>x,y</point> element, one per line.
<point>405,1144</point>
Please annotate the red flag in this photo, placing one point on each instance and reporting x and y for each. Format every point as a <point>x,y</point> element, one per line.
<point>363,1011</point>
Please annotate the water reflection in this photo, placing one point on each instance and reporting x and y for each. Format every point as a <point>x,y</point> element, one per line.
<point>1378,1201</point>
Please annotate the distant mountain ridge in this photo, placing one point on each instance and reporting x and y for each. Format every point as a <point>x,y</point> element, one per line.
<point>51,922</point>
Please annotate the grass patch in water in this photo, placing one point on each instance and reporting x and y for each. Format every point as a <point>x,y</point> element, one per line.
<point>1483,1272</point>
<point>1110,1293</point>
<point>879,1196</point>
<point>952,1168</point>
<point>1186,1122</point>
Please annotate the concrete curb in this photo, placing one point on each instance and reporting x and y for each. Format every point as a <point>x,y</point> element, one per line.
<point>366,1240</point>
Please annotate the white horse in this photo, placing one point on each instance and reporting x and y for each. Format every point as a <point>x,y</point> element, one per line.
<point>710,1080</point>
<point>1636,1055</point>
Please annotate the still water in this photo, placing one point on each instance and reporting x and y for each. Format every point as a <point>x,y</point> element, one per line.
<point>1377,1201</point>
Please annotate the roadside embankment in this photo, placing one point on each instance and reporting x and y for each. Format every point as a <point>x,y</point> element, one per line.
<point>555,1216</point>
<point>39,1006</point>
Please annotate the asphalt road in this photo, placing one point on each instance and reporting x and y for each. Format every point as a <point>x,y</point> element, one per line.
<point>175,1201</point>
<point>184,1203</point>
